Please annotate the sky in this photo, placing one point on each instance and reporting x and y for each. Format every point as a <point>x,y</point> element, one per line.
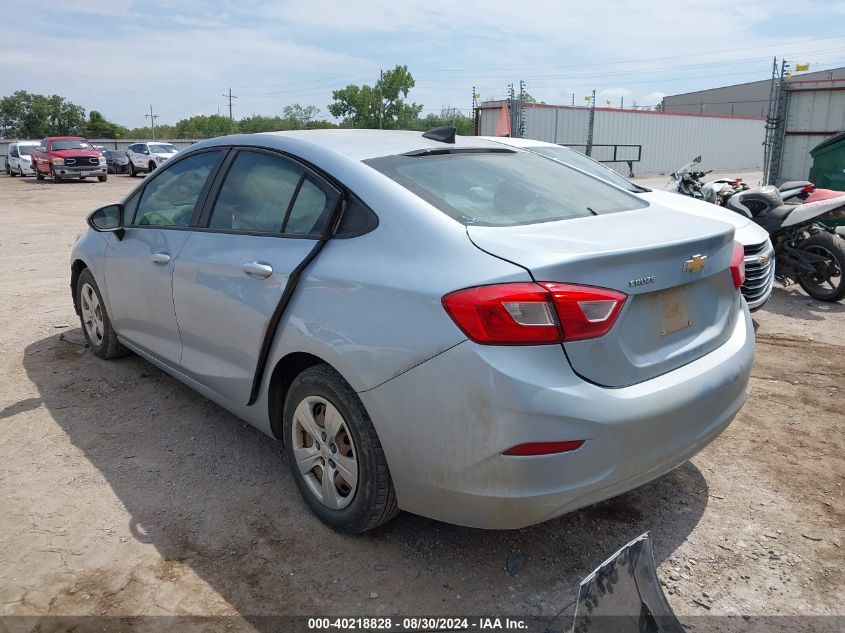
<point>121,57</point>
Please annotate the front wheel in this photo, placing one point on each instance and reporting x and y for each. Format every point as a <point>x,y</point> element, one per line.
<point>96,325</point>
<point>38,174</point>
<point>102,178</point>
<point>54,175</point>
<point>132,171</point>
<point>334,453</point>
<point>827,284</point>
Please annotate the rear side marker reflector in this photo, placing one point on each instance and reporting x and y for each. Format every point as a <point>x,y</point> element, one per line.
<point>529,313</point>
<point>544,448</point>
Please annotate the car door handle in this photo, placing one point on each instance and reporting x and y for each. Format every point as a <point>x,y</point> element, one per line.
<point>160,258</point>
<point>257,268</point>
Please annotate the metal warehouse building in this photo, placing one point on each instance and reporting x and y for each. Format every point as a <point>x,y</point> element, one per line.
<point>805,109</point>
<point>661,141</point>
<point>748,99</point>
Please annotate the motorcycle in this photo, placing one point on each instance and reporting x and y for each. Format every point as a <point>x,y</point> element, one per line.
<point>806,250</point>
<point>687,182</point>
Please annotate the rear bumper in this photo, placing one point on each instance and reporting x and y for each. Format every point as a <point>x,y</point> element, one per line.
<point>444,425</point>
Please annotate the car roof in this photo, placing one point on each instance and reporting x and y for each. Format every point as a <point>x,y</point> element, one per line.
<point>26,143</point>
<point>359,145</point>
<point>519,142</point>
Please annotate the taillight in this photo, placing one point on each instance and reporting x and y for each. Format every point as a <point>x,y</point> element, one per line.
<point>808,188</point>
<point>533,313</point>
<point>738,265</point>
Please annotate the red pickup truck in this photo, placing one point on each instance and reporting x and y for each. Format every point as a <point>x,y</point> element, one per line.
<point>62,157</point>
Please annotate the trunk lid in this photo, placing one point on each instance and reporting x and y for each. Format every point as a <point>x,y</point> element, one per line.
<point>672,316</point>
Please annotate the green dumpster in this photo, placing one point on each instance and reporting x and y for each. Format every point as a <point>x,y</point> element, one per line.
<point>828,170</point>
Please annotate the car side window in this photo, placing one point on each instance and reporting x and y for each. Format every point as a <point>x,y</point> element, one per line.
<point>13,151</point>
<point>169,198</point>
<point>310,211</point>
<point>257,193</point>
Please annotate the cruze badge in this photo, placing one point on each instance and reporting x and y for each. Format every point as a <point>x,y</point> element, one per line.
<point>695,264</point>
<point>642,281</point>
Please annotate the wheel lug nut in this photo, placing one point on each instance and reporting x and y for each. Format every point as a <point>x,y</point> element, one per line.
<point>333,448</point>
<point>322,462</point>
<point>331,463</point>
<point>323,436</point>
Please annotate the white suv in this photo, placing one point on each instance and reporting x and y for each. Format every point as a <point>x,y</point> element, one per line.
<point>18,160</point>
<point>144,157</point>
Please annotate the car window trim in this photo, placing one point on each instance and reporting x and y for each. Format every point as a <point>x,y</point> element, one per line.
<point>224,151</point>
<point>202,224</point>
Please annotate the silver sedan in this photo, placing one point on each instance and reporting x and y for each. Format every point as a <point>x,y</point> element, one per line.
<point>439,324</point>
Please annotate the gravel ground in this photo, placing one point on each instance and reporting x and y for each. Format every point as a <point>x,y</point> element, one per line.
<point>122,492</point>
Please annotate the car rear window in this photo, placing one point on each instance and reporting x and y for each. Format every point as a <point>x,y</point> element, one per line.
<point>585,163</point>
<point>503,188</point>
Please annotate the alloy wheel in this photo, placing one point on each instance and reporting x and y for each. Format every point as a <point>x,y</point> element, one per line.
<point>92,314</point>
<point>324,452</point>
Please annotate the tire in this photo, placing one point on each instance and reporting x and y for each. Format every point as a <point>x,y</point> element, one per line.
<point>351,507</point>
<point>38,174</point>
<point>101,337</point>
<point>829,285</point>
<point>103,178</point>
<point>54,175</point>
<point>11,172</point>
<point>151,167</point>
<point>132,171</point>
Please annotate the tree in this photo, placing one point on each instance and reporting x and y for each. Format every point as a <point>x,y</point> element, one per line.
<point>26,115</point>
<point>202,126</point>
<point>363,106</point>
<point>448,116</point>
<point>300,116</point>
<point>100,127</point>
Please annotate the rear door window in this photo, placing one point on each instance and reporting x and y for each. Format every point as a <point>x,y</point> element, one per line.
<point>503,188</point>
<point>264,193</point>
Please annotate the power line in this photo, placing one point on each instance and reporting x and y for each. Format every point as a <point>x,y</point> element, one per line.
<point>646,59</point>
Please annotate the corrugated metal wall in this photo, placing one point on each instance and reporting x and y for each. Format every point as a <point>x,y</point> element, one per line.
<point>668,140</point>
<point>815,110</point>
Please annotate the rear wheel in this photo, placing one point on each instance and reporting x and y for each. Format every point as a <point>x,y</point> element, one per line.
<point>827,284</point>
<point>334,453</point>
<point>11,172</point>
<point>96,324</point>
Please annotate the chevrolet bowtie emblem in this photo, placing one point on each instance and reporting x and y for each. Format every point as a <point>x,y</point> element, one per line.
<point>695,264</point>
<point>764,259</point>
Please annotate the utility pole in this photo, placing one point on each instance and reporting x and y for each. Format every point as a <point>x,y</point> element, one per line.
<point>512,108</point>
<point>152,117</point>
<point>573,100</point>
<point>231,118</point>
<point>591,125</point>
<point>380,98</point>
<point>474,112</point>
<point>621,103</point>
<point>521,128</point>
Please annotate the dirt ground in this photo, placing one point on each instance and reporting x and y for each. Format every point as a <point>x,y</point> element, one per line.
<point>123,492</point>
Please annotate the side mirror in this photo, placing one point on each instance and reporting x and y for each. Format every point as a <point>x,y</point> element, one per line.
<point>147,152</point>
<point>697,159</point>
<point>108,219</point>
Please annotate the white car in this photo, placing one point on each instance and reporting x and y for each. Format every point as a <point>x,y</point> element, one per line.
<point>18,160</point>
<point>759,253</point>
<point>145,157</point>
